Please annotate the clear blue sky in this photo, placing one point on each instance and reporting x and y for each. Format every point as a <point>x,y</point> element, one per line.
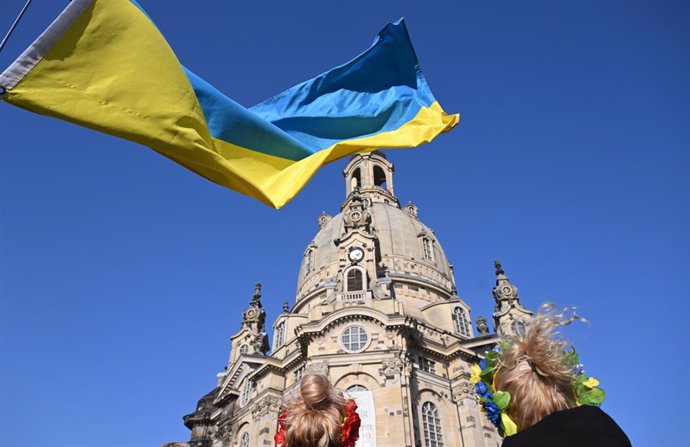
<point>122,274</point>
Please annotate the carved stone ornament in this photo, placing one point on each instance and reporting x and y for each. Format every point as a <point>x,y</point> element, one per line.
<point>267,405</point>
<point>257,342</point>
<point>324,218</point>
<point>499,268</point>
<point>408,363</point>
<point>412,210</point>
<point>224,432</point>
<point>482,326</point>
<point>316,368</point>
<point>382,270</point>
<point>357,215</point>
<point>392,368</point>
<point>464,390</point>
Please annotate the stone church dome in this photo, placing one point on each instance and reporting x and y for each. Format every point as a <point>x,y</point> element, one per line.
<point>403,248</point>
<point>398,233</point>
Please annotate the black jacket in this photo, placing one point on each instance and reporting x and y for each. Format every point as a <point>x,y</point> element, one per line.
<point>583,426</point>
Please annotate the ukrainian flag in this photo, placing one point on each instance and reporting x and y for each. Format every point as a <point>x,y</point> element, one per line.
<point>103,64</point>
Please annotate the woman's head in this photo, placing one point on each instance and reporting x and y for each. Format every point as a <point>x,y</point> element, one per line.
<point>533,371</point>
<point>315,415</point>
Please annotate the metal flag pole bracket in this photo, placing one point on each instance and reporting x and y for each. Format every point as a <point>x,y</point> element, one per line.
<point>14,25</point>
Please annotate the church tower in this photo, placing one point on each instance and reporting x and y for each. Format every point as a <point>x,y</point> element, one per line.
<point>252,338</point>
<point>510,316</point>
<point>377,310</point>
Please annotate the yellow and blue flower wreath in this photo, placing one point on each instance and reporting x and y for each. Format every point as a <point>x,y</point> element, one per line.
<point>495,403</point>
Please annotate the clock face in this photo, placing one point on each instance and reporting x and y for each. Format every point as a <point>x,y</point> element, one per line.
<point>356,254</point>
<point>251,313</point>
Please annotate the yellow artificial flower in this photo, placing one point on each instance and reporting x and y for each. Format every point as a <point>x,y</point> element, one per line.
<point>509,427</point>
<point>476,370</point>
<point>591,382</point>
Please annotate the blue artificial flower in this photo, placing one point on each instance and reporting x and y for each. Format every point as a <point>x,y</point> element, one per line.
<point>579,369</point>
<point>482,364</point>
<point>493,413</point>
<point>483,390</point>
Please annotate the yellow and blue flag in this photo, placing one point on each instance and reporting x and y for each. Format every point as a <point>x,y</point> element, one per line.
<point>103,64</point>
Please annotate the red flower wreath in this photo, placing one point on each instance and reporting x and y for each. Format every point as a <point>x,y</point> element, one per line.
<point>279,438</point>
<point>349,428</point>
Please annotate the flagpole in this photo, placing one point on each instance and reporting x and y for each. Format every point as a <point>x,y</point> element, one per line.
<point>14,25</point>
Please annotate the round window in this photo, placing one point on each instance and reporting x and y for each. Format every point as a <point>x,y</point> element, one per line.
<point>354,339</point>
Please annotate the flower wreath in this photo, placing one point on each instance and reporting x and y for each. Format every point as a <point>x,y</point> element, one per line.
<point>495,402</point>
<point>349,428</point>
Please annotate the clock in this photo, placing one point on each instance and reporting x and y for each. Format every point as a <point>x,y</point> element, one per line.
<point>356,254</point>
<point>251,313</point>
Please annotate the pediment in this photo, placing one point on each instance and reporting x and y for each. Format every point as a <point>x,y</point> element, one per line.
<point>234,377</point>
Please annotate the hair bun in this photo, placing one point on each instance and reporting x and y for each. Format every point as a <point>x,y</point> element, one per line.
<point>316,391</point>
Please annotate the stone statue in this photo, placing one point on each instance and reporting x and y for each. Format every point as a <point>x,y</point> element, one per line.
<point>482,326</point>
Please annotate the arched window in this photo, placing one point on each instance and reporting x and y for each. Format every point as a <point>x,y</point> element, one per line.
<point>432,425</point>
<point>356,388</point>
<point>247,392</point>
<point>280,335</point>
<point>379,177</point>
<point>309,261</point>
<point>462,323</point>
<point>355,280</point>
<point>428,251</point>
<point>356,180</point>
<point>244,442</point>
<point>244,349</point>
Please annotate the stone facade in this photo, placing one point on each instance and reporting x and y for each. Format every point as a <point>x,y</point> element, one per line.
<point>376,309</point>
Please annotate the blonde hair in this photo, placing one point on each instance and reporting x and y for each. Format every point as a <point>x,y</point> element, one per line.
<point>532,370</point>
<point>315,414</point>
